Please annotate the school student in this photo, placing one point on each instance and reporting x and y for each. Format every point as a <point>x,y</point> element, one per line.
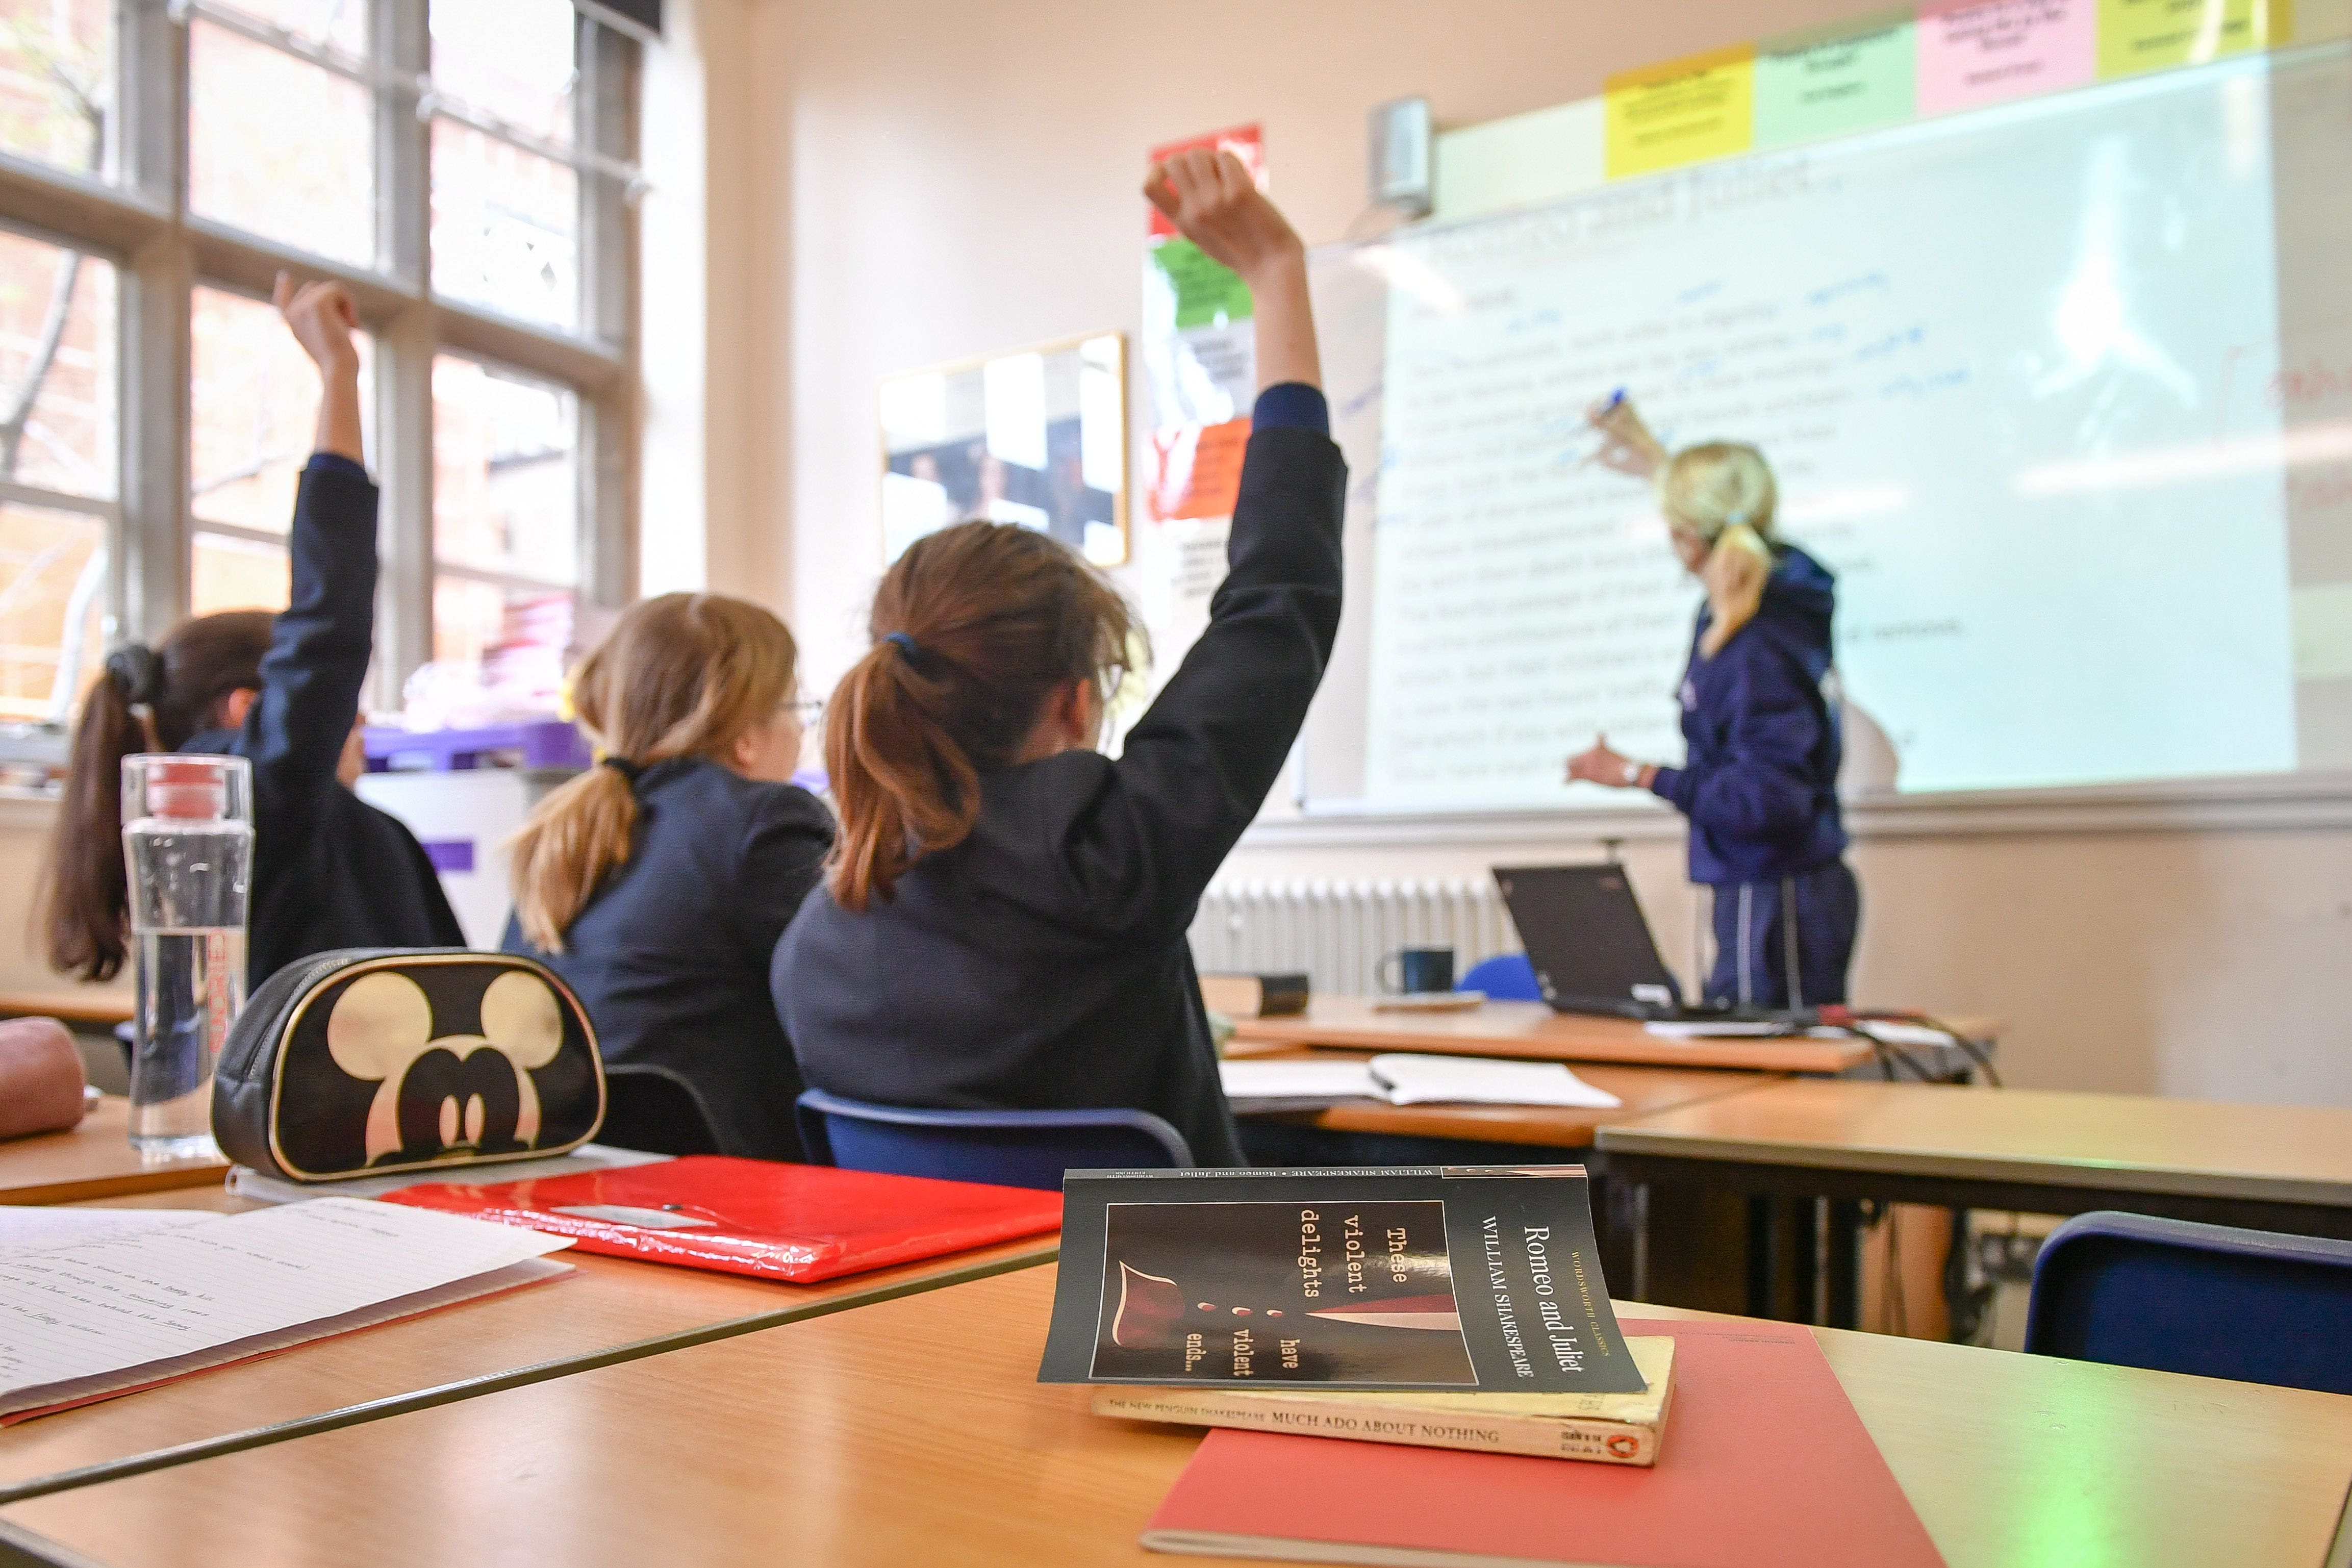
<point>1004,923</point>
<point>283,692</point>
<point>1759,782</point>
<point>657,883</point>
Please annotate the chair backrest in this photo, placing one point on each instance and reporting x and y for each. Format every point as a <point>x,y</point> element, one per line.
<point>1010,1148</point>
<point>655,1109</point>
<point>2165,1294</point>
<point>1506,977</point>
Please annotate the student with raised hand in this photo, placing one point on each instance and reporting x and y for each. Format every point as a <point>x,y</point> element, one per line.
<point>283,691</point>
<point>657,883</point>
<point>1002,925</point>
<point>1760,781</point>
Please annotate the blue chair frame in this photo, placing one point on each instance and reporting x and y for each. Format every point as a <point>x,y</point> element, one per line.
<point>1010,1148</point>
<point>1506,977</point>
<point>2213,1300</point>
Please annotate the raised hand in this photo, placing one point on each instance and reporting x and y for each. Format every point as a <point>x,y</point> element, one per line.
<point>1213,203</point>
<point>323,319</point>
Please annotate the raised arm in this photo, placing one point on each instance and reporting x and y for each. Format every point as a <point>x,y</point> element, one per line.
<point>319,645</point>
<point>1197,765</point>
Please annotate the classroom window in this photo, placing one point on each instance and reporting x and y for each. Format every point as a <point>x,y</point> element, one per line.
<point>252,393</point>
<point>466,165</point>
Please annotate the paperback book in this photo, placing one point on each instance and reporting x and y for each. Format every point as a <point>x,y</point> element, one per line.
<point>1468,1278</point>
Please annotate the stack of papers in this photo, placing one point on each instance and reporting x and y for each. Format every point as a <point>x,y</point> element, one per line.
<point>95,1304</point>
<point>1262,1087</point>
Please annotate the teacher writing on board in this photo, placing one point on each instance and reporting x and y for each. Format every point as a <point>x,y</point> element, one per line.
<point>1759,783</point>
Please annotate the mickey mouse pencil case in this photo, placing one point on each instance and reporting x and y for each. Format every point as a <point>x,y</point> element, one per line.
<point>369,1060</point>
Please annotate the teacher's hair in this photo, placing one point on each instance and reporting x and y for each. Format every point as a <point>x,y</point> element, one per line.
<point>1724,492</point>
<point>975,628</point>
<point>684,674</point>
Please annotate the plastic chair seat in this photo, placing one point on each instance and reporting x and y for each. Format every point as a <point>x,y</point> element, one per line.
<point>1507,977</point>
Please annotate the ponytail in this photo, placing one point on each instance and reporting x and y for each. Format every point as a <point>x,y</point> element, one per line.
<point>684,674</point>
<point>1734,576</point>
<point>975,628</point>
<point>148,700</point>
<point>1724,492</point>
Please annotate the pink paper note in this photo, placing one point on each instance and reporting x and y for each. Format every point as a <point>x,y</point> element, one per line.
<point>1975,52</point>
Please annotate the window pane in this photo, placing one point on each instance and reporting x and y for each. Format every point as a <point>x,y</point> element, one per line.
<point>232,573</point>
<point>499,649</point>
<point>505,491</point>
<point>56,368</point>
<point>254,410</point>
<point>56,80</point>
<point>517,60</point>
<point>506,227</point>
<point>280,147</point>
<point>52,608</point>
<point>340,23</point>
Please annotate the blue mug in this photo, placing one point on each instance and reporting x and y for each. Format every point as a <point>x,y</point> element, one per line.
<point>1419,971</point>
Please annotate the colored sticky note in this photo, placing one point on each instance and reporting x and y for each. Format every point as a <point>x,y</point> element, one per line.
<point>1197,470</point>
<point>1827,83</point>
<point>1990,51</point>
<point>1208,293</point>
<point>2138,35</point>
<point>1699,107</point>
<point>1246,142</point>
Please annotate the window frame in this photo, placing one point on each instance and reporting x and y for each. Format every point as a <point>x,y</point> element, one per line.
<point>139,220</point>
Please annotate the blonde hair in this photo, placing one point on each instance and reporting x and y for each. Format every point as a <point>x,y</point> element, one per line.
<point>685,674</point>
<point>1724,492</point>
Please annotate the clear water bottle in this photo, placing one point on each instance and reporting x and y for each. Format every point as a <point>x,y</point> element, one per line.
<point>188,841</point>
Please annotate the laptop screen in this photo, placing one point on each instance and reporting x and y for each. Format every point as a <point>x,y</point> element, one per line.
<point>1585,935</point>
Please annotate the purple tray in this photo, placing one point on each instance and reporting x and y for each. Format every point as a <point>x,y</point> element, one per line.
<point>542,743</point>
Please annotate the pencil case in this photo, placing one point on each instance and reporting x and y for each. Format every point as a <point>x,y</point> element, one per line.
<point>370,1060</point>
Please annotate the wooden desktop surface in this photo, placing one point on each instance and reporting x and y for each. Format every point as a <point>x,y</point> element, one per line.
<point>1646,1091</point>
<point>94,1160</point>
<point>609,1303</point>
<point>92,1006</point>
<point>2277,1154</point>
<point>1533,1031</point>
<point>914,1431</point>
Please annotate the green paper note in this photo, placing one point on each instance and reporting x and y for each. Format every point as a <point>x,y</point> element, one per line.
<point>1208,293</point>
<point>1830,82</point>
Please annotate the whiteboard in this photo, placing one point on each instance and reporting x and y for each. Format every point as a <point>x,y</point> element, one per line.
<point>2060,390</point>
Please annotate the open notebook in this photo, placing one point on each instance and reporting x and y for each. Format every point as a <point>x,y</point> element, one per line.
<point>1400,1078</point>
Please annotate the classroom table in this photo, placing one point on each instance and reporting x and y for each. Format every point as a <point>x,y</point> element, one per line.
<point>2270,1167</point>
<point>611,1309</point>
<point>914,1431</point>
<point>95,1160</point>
<point>90,1006</point>
<point>1532,1031</point>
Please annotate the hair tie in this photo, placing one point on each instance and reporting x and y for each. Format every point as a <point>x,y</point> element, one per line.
<point>628,769</point>
<point>905,644</point>
<point>137,671</point>
<point>1736,518</point>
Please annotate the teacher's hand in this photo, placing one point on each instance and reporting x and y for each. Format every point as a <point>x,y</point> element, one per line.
<point>1602,766</point>
<point>1626,443</point>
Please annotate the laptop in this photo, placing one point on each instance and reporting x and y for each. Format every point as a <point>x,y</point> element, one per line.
<point>1591,949</point>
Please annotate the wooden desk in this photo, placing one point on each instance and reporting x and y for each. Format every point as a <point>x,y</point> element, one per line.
<point>914,1431</point>
<point>94,1160</point>
<point>1532,1031</point>
<point>2271,1167</point>
<point>612,1310</point>
<point>92,1006</point>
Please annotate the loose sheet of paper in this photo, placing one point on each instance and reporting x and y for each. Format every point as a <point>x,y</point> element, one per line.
<point>1299,1080</point>
<point>1408,1079</point>
<point>38,1229</point>
<point>98,1307</point>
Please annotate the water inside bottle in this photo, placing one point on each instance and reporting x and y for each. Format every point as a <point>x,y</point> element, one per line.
<point>188,885</point>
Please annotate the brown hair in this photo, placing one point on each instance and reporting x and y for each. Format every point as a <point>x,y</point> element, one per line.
<point>1000,617</point>
<point>684,674</point>
<point>148,700</point>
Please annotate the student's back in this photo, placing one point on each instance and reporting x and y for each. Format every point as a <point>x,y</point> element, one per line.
<point>658,885</point>
<point>1006,926</point>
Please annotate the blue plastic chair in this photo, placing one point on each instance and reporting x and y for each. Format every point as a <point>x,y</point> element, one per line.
<point>1010,1148</point>
<point>2211,1300</point>
<point>1507,977</point>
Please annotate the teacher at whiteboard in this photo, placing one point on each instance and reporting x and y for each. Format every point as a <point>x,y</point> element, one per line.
<point>1759,782</point>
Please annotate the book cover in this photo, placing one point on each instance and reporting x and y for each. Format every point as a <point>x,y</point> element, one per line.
<point>1254,995</point>
<point>759,1218</point>
<point>1605,1428</point>
<point>1769,1467</point>
<point>1465,1276</point>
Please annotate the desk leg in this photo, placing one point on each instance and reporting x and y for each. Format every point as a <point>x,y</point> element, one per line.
<point>1641,1198</point>
<point>1763,1255</point>
<point>1805,1243</point>
<point>1842,1291</point>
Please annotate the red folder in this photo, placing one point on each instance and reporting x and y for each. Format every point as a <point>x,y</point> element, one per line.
<point>1764,1464</point>
<point>802,1223</point>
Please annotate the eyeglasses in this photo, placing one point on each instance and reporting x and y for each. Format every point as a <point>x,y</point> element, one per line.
<point>808,711</point>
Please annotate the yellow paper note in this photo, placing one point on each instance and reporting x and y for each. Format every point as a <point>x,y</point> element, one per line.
<point>1684,112</point>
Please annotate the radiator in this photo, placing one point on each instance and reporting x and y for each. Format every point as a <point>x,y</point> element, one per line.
<point>1337,931</point>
